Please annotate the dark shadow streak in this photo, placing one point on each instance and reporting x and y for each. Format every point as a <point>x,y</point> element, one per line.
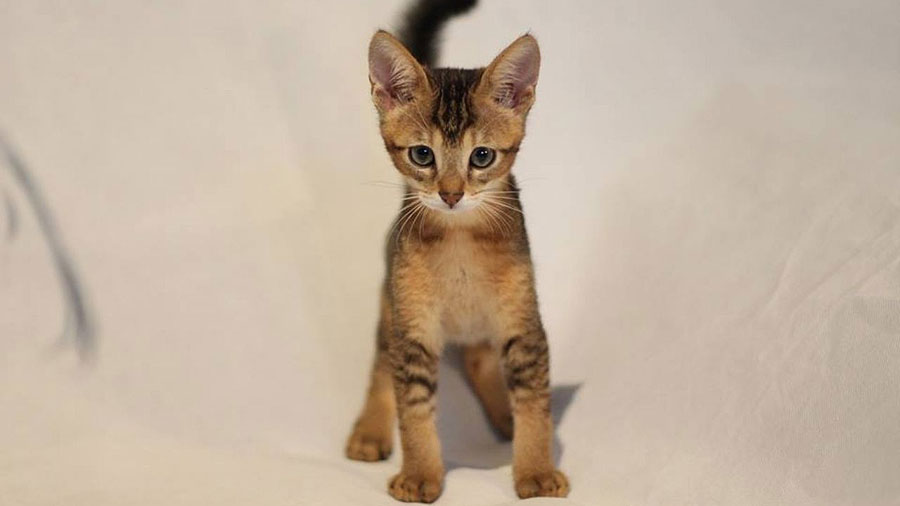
<point>78,325</point>
<point>12,217</point>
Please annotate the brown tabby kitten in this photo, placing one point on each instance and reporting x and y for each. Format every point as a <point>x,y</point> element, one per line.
<point>459,266</point>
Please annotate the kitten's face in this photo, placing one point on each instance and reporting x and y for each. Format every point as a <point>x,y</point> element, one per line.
<point>453,134</point>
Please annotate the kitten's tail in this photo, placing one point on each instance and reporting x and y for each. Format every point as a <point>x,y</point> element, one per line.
<point>424,20</point>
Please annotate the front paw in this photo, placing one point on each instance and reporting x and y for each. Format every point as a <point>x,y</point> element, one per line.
<point>551,483</point>
<point>368,446</point>
<point>415,487</point>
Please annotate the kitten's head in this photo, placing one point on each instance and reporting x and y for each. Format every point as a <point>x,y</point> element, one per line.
<point>453,133</point>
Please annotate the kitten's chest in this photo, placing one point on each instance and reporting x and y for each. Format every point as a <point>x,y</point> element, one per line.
<point>464,274</point>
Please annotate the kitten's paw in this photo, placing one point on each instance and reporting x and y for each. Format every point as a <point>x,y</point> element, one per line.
<point>543,484</point>
<point>415,487</point>
<point>368,446</point>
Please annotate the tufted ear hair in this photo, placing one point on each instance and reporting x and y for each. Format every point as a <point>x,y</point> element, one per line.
<point>511,78</point>
<point>396,77</point>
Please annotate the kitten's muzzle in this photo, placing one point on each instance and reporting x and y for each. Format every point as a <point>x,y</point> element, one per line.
<point>451,198</point>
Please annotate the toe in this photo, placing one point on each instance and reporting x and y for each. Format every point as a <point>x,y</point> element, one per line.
<point>545,484</point>
<point>367,449</point>
<point>410,488</point>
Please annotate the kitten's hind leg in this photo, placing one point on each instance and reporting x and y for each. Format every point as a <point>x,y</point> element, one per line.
<point>372,437</point>
<point>483,369</point>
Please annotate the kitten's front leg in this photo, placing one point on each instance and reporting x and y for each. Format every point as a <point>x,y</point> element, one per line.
<point>526,365</point>
<point>415,383</point>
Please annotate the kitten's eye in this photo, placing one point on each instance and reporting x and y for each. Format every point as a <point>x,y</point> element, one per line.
<point>421,155</point>
<point>482,157</point>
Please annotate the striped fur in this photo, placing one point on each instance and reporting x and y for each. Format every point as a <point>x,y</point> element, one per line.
<point>453,112</point>
<point>462,275</point>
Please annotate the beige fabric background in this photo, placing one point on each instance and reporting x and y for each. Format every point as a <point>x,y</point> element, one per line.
<point>712,190</point>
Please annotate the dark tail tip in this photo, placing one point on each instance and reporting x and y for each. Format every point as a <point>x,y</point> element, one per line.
<point>423,23</point>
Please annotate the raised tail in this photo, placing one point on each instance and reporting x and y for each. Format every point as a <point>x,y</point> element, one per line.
<point>423,23</point>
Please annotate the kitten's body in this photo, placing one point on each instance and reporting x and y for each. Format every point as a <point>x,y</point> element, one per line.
<point>459,266</point>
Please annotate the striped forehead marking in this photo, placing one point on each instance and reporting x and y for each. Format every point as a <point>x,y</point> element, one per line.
<point>453,112</point>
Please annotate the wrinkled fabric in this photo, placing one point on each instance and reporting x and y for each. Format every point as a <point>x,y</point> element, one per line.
<point>712,192</point>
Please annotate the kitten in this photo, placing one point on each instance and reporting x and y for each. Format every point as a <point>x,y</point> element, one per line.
<point>458,262</point>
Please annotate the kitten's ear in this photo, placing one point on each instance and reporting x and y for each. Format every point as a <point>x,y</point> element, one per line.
<point>511,78</point>
<point>396,76</point>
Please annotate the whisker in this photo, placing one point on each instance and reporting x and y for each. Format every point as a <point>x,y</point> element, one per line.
<point>400,222</point>
<point>503,198</point>
<point>481,211</point>
<point>503,225</point>
<point>501,218</point>
<point>407,205</point>
<point>396,222</point>
<point>393,227</point>
<point>401,214</point>
<point>419,214</point>
<point>508,218</point>
<point>501,204</point>
<point>422,221</point>
<point>405,221</point>
<point>484,216</point>
<point>490,191</point>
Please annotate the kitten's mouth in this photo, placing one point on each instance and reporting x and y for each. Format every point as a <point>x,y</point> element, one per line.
<point>451,205</point>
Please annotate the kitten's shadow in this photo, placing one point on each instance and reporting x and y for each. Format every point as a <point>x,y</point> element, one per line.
<point>467,439</point>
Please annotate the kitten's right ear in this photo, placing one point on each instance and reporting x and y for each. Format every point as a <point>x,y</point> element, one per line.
<point>396,76</point>
<point>511,78</point>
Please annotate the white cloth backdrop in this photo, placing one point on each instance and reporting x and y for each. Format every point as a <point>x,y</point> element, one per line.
<point>712,190</point>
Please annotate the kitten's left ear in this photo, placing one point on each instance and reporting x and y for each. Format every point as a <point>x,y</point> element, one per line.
<point>511,78</point>
<point>396,77</point>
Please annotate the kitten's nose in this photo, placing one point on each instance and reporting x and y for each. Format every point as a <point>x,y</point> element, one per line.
<point>451,198</point>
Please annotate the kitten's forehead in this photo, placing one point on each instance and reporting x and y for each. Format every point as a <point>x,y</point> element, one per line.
<point>453,111</point>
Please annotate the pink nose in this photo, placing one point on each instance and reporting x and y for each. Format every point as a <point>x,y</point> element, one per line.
<point>451,198</point>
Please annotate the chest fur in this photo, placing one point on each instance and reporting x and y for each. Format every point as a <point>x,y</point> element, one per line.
<point>464,274</point>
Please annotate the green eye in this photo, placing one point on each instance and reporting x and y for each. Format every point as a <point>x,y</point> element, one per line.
<point>482,157</point>
<point>422,156</point>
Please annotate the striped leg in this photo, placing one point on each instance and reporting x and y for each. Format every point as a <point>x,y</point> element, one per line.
<point>372,437</point>
<point>526,364</point>
<point>415,382</point>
